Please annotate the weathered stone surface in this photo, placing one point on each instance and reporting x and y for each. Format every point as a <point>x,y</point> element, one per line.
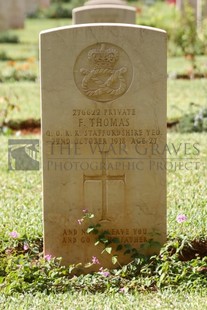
<point>16,13</point>
<point>104,14</point>
<point>31,6</point>
<point>103,137</point>
<point>4,15</point>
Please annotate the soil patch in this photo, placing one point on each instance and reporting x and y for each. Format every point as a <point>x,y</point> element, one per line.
<point>33,126</point>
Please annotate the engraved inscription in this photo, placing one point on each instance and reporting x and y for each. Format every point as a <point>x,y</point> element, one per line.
<point>104,178</point>
<point>103,72</point>
<point>135,236</point>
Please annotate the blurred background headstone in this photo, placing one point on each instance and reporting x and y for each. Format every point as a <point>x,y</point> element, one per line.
<point>16,13</point>
<point>4,15</point>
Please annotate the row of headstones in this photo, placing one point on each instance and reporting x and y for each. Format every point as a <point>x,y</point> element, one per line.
<point>14,12</point>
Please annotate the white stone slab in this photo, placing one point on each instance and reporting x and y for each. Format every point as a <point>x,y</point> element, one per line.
<point>4,15</point>
<point>104,14</point>
<point>16,13</point>
<point>103,137</point>
<point>31,6</point>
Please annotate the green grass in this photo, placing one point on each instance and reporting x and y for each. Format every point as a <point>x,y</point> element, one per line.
<point>26,95</point>
<point>183,65</point>
<point>30,34</point>
<point>20,51</point>
<point>187,188</point>
<point>20,206</point>
<point>140,301</point>
<point>183,92</point>
<point>29,37</point>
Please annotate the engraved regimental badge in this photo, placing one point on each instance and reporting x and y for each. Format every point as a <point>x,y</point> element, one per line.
<point>103,72</point>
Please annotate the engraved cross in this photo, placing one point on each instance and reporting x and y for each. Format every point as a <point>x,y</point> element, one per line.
<point>104,178</point>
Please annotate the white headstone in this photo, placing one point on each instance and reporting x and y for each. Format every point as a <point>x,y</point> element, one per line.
<point>4,15</point>
<point>103,138</point>
<point>108,11</point>
<point>16,13</point>
<point>31,6</point>
<point>104,14</point>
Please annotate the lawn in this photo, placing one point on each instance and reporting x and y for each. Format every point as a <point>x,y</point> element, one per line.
<point>141,301</point>
<point>21,203</point>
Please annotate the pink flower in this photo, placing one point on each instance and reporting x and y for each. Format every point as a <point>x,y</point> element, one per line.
<point>14,234</point>
<point>26,246</point>
<point>48,257</point>
<point>95,260</point>
<point>80,221</point>
<point>122,290</point>
<point>104,273</point>
<point>85,210</point>
<point>181,218</point>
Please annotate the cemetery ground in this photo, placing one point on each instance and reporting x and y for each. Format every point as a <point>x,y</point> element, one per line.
<point>175,279</point>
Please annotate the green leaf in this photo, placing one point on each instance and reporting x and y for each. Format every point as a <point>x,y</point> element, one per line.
<point>114,259</point>
<point>108,250</point>
<point>162,277</point>
<point>90,229</point>
<point>88,265</point>
<point>90,216</point>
